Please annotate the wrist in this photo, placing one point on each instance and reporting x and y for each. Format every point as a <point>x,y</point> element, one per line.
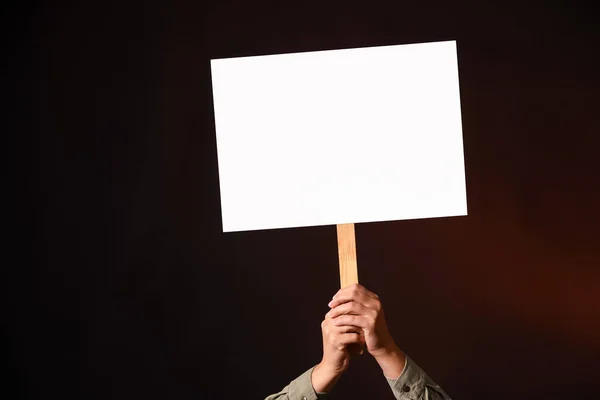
<point>386,351</point>
<point>391,360</point>
<point>323,377</point>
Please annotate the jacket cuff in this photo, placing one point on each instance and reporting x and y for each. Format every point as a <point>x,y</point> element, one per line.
<point>411,382</point>
<point>301,388</point>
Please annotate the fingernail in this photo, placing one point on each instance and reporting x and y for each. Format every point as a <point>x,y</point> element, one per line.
<point>329,304</point>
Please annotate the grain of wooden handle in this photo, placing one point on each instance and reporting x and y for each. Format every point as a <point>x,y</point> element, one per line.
<point>347,254</point>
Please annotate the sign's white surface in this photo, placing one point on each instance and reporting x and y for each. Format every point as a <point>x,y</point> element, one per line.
<point>340,136</point>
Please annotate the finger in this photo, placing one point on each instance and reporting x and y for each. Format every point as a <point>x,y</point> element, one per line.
<point>366,291</point>
<point>350,307</point>
<point>358,287</point>
<point>329,328</point>
<point>342,329</point>
<point>356,295</point>
<point>360,321</point>
<point>344,308</point>
<point>349,329</point>
<point>355,344</point>
<point>349,339</point>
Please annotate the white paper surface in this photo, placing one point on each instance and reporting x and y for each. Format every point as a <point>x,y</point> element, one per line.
<point>340,136</point>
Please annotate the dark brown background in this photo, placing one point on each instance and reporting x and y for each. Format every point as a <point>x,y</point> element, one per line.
<point>127,288</point>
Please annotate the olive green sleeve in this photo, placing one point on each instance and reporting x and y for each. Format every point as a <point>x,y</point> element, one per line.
<point>414,384</point>
<point>299,389</point>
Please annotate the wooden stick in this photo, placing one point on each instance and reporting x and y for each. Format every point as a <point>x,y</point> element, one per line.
<point>347,254</point>
<point>348,267</point>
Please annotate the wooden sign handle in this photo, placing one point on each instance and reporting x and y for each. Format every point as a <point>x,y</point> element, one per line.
<point>348,268</point>
<point>347,254</point>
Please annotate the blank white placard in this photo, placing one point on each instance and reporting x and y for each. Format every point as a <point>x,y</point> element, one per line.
<point>340,136</point>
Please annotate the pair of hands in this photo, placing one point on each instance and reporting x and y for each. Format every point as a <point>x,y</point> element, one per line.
<point>355,321</point>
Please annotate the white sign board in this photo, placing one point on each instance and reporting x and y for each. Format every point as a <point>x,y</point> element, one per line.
<point>340,136</point>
